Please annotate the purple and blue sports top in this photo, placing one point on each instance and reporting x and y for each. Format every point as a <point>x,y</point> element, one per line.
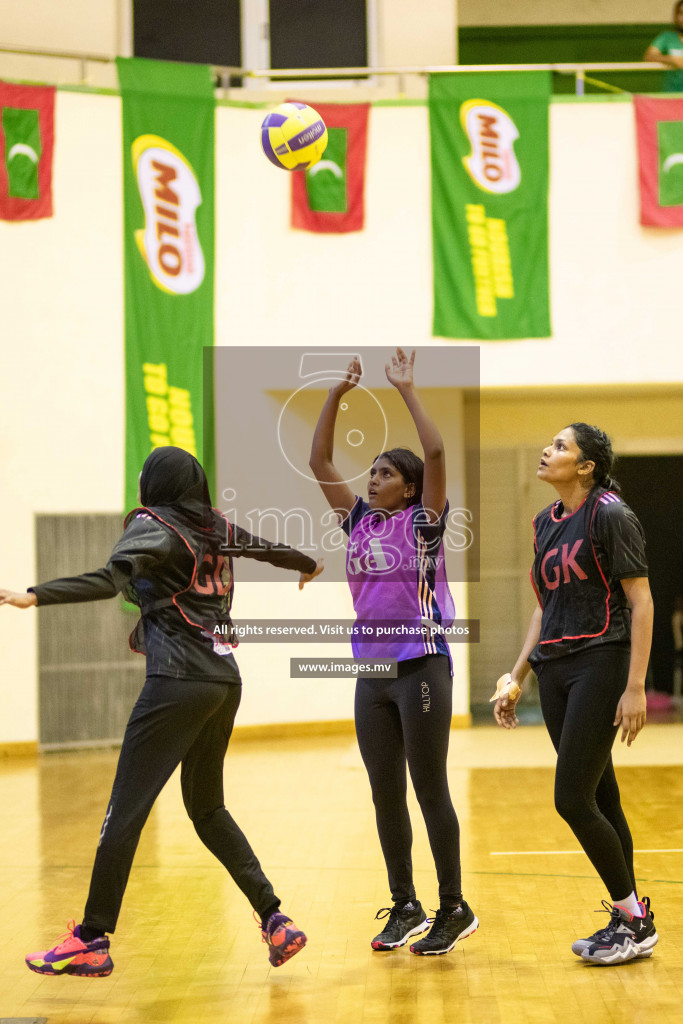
<point>397,576</point>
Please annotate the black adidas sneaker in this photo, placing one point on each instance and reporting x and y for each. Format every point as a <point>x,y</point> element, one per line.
<point>405,920</point>
<point>449,926</point>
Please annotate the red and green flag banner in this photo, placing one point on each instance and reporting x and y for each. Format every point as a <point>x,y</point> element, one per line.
<point>329,197</point>
<point>26,147</point>
<point>659,129</point>
<point>168,200</point>
<point>489,152</point>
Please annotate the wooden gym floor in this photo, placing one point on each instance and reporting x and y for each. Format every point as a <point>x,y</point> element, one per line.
<point>187,951</point>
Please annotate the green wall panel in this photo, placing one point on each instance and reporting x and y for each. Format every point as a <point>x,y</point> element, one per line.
<point>564,44</point>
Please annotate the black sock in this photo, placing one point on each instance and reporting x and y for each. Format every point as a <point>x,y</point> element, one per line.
<point>404,903</point>
<point>88,934</point>
<point>451,908</point>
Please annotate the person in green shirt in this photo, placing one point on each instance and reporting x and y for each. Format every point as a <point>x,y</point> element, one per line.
<point>667,49</point>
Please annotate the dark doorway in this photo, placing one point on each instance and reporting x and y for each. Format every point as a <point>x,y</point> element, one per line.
<point>653,486</point>
<point>318,34</point>
<point>201,32</point>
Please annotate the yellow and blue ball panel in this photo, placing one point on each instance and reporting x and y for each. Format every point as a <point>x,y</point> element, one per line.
<point>293,136</point>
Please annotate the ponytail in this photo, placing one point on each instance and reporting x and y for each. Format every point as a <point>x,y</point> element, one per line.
<point>595,446</point>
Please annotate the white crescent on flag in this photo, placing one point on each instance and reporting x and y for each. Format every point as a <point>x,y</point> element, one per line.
<point>671,161</point>
<point>21,149</point>
<point>327,165</point>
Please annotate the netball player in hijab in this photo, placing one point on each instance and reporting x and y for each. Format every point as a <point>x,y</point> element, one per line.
<point>395,569</point>
<point>174,561</point>
<point>589,643</point>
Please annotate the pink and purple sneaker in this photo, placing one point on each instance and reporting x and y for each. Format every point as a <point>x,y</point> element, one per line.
<point>71,955</point>
<point>283,938</point>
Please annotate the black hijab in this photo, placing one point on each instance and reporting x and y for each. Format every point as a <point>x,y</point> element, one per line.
<point>173,482</point>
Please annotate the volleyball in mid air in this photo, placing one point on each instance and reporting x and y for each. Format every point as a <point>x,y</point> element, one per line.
<point>293,136</point>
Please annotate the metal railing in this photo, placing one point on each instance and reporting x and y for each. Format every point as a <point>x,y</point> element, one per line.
<point>401,72</point>
<point>267,76</point>
<point>81,59</point>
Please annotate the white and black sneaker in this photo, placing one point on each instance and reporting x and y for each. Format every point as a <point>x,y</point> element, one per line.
<point>579,945</point>
<point>448,927</point>
<point>625,938</point>
<point>405,920</point>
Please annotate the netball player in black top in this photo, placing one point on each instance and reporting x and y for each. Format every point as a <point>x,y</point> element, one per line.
<point>589,643</point>
<point>174,560</point>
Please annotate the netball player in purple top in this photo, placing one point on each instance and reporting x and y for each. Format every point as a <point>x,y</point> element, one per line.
<point>589,643</point>
<point>395,568</point>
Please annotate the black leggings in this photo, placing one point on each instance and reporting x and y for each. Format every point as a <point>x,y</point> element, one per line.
<point>579,696</point>
<point>410,718</point>
<point>173,721</point>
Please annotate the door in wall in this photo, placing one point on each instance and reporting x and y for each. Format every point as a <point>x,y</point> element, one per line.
<point>653,486</point>
<point>88,678</point>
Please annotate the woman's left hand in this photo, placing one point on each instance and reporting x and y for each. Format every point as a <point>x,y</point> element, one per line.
<point>631,714</point>
<point>306,577</point>
<point>400,373</point>
<point>17,599</point>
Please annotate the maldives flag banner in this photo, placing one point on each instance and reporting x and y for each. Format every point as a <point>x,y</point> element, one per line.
<point>489,152</point>
<point>659,130</point>
<point>329,197</point>
<point>168,205</point>
<point>26,149</point>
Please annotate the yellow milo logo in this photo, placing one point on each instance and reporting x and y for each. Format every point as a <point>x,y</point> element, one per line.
<point>492,164</point>
<point>170,196</point>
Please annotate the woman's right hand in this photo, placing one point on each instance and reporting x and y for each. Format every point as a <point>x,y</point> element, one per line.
<point>354,372</point>
<point>306,577</point>
<point>504,712</point>
<point>17,599</point>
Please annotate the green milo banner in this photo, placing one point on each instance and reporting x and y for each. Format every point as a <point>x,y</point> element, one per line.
<point>489,153</point>
<point>168,186</point>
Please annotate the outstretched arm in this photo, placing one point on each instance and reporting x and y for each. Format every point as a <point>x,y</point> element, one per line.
<point>334,487</point>
<point>400,374</point>
<point>144,545</point>
<point>245,544</point>
<point>90,586</point>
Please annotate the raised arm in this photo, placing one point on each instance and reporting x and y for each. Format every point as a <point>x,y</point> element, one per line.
<point>400,374</point>
<point>332,484</point>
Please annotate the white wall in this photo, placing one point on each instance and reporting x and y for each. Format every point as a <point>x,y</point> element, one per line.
<point>62,370</point>
<point>615,294</point>
<point>613,283</point>
<point>413,32</point>
<point>86,26</point>
<point>552,12</point>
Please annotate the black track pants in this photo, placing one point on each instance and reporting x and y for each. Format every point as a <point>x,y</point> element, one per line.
<point>579,697</point>
<point>173,721</point>
<point>409,719</point>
